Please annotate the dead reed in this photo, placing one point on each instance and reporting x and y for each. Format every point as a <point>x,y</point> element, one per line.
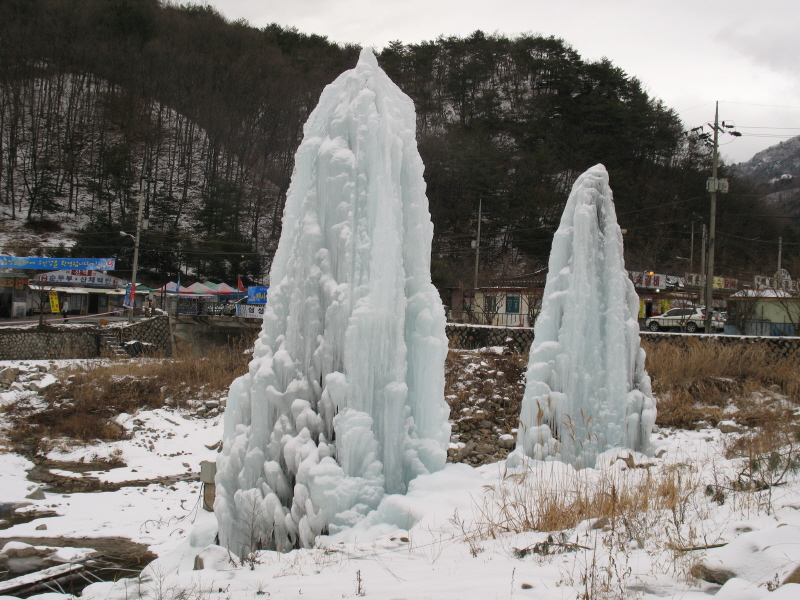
<point>697,380</point>
<point>82,404</point>
<point>548,500</point>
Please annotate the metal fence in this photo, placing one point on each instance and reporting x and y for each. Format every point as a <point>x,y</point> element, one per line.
<point>497,319</point>
<point>175,306</point>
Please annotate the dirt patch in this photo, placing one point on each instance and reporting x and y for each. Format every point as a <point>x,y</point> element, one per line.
<point>123,551</point>
<point>9,516</point>
<point>63,484</point>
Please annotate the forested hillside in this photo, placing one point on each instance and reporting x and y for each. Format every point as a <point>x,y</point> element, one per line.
<point>775,173</point>
<point>98,97</point>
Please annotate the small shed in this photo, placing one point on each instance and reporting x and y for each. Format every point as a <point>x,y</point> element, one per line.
<point>770,312</point>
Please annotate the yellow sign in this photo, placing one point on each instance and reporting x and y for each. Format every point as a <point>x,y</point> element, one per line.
<point>54,302</point>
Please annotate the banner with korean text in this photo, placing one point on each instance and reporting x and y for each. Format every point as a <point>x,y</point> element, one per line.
<point>55,264</point>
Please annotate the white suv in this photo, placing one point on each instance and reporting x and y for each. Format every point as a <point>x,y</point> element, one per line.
<point>693,319</point>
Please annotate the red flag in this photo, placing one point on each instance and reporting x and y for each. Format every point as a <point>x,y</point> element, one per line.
<point>240,285</point>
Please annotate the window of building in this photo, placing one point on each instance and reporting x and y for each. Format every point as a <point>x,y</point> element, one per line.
<point>512,304</point>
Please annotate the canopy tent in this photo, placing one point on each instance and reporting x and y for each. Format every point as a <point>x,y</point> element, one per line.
<point>199,288</point>
<point>225,289</point>
<point>204,289</point>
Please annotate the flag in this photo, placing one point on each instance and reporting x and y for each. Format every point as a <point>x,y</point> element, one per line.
<point>240,285</point>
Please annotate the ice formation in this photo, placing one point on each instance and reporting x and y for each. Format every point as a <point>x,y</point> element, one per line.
<point>344,398</point>
<point>586,390</point>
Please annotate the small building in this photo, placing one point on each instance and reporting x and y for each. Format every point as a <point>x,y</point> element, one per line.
<point>767,312</point>
<point>88,292</point>
<point>13,295</point>
<point>510,303</point>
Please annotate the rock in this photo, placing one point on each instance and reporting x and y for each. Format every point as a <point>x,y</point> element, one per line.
<point>34,376</point>
<point>728,427</point>
<point>41,527</point>
<point>484,449</point>
<point>507,441</point>
<point>485,424</point>
<point>718,576</point>
<point>212,557</point>
<point>36,494</point>
<point>600,523</point>
<point>794,576</point>
<point>8,375</point>
<point>20,550</point>
<point>661,452</point>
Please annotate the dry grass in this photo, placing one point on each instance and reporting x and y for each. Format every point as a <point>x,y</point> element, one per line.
<point>696,382</point>
<point>770,437</point>
<point>82,405</point>
<point>541,500</point>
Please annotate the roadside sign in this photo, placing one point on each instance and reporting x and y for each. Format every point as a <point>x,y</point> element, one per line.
<point>257,294</point>
<point>54,302</point>
<point>252,311</point>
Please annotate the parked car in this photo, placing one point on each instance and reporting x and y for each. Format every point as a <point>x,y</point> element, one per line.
<point>692,319</point>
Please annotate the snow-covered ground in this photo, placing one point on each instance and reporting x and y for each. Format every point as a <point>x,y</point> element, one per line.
<point>458,533</point>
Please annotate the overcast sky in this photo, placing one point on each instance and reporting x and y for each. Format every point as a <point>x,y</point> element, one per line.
<point>689,53</point>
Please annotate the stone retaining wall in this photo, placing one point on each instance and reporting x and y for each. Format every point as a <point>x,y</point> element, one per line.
<point>48,343</point>
<point>156,331</point>
<point>519,339</point>
<point>472,337</point>
<point>55,342</point>
<point>52,342</point>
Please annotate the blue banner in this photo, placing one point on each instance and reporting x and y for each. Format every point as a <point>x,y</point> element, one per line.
<point>57,264</point>
<point>257,294</point>
<point>128,300</point>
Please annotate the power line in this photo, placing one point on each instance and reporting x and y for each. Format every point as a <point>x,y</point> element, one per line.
<point>738,237</point>
<point>754,104</point>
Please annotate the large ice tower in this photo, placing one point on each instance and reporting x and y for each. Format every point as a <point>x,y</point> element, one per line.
<point>586,388</point>
<point>344,399</point>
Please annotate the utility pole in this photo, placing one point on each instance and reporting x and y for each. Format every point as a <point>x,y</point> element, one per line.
<point>703,264</point>
<point>478,247</point>
<point>691,252</point>
<point>780,251</point>
<point>136,250</point>
<point>712,186</point>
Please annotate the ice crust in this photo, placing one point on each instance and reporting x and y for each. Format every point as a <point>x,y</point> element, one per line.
<point>344,398</point>
<point>586,387</point>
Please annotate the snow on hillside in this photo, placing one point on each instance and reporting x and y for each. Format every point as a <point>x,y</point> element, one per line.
<point>80,155</point>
